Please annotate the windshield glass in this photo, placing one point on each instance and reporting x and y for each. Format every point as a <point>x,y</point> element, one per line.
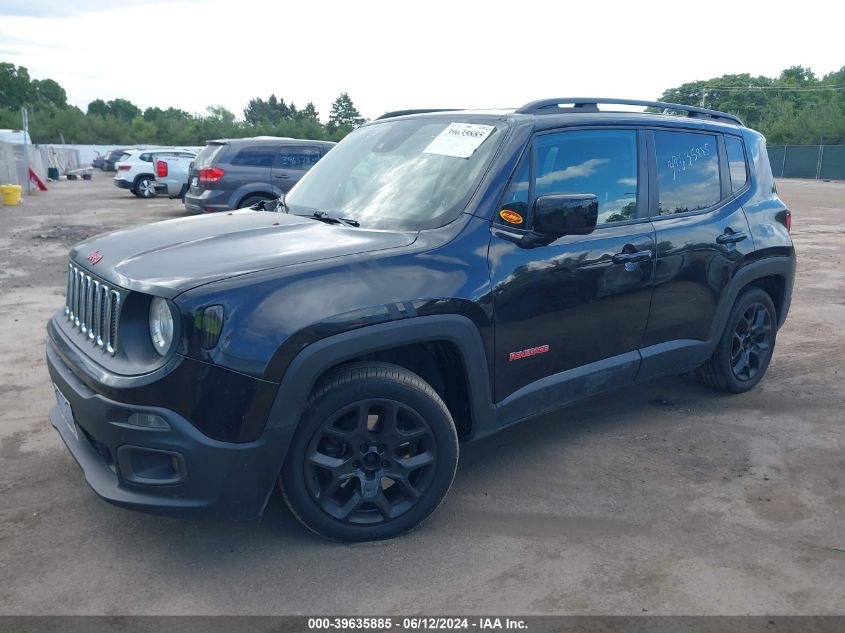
<point>408,175</point>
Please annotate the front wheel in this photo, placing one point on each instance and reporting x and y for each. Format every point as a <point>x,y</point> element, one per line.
<point>745,348</point>
<point>374,455</point>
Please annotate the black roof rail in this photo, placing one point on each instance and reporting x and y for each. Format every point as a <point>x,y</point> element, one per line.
<point>590,104</point>
<point>390,115</point>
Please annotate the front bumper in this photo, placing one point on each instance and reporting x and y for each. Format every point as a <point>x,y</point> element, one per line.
<point>128,465</point>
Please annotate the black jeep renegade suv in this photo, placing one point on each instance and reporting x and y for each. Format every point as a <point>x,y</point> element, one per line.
<point>436,277</point>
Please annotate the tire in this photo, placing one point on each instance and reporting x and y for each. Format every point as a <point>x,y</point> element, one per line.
<point>383,452</point>
<point>251,200</point>
<point>745,348</point>
<point>144,187</point>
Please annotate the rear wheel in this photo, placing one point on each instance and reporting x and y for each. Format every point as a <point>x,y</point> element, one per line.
<point>144,187</point>
<point>251,200</point>
<point>374,455</point>
<point>745,348</point>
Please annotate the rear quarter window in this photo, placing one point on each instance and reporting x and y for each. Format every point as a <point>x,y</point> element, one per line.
<point>736,162</point>
<point>208,155</point>
<point>255,156</point>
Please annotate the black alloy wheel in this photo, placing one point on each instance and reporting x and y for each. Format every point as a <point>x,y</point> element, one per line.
<point>746,345</point>
<point>374,454</point>
<point>752,342</point>
<point>369,462</point>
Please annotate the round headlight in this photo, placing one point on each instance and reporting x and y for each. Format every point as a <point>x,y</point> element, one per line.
<point>161,325</point>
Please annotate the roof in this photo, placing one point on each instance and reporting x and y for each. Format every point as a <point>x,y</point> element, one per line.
<point>555,113</point>
<point>266,139</point>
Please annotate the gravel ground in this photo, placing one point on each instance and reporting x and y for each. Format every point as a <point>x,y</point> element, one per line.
<point>665,499</point>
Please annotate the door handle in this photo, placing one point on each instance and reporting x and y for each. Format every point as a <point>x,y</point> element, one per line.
<point>282,176</point>
<point>632,258</point>
<point>731,237</point>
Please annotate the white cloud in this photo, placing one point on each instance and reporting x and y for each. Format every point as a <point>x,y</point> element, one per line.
<point>581,170</point>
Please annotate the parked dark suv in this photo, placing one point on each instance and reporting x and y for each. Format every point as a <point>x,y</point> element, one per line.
<point>438,276</point>
<point>237,173</point>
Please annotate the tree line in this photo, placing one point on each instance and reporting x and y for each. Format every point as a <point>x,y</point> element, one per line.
<point>795,107</point>
<point>120,122</point>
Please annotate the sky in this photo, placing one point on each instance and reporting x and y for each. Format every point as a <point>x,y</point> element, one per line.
<point>397,55</point>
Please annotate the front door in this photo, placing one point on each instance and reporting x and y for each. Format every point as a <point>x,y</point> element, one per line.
<point>570,315</point>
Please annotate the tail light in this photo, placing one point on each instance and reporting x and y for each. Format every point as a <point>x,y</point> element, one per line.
<point>161,169</point>
<point>211,174</point>
<point>124,167</point>
<point>788,220</point>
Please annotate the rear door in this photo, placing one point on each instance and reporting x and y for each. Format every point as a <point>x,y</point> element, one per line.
<point>291,163</point>
<point>570,315</point>
<point>702,236</point>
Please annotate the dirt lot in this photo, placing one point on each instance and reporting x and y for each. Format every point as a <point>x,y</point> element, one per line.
<point>665,499</point>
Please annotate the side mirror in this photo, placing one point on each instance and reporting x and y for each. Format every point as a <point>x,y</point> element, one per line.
<point>560,214</point>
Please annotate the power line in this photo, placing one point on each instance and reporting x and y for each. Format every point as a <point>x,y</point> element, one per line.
<point>760,88</point>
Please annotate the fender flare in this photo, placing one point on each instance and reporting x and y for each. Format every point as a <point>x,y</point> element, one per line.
<point>318,357</point>
<point>779,265</point>
<point>249,189</point>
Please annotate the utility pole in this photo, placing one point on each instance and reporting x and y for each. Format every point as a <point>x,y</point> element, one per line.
<point>25,120</point>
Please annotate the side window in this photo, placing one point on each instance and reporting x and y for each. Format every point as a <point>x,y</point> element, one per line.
<point>600,162</point>
<point>514,208</point>
<point>147,158</point>
<point>736,162</point>
<point>255,156</point>
<point>296,157</point>
<point>687,171</point>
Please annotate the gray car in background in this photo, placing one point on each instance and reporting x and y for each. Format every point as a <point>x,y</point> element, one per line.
<point>236,173</point>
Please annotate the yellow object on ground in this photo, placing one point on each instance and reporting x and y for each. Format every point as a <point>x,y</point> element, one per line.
<point>11,194</point>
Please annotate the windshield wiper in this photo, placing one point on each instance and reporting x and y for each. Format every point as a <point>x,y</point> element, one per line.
<point>323,216</point>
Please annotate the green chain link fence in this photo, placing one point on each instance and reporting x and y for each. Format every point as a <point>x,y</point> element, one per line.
<point>821,162</point>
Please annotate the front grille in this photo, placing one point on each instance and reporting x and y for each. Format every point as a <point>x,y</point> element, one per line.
<point>93,308</point>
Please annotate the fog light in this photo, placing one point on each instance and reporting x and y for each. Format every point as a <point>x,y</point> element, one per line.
<point>148,421</point>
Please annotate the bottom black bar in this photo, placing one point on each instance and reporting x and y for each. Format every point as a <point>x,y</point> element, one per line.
<point>403,624</point>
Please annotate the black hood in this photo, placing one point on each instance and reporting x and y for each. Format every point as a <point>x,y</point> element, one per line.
<point>170,257</point>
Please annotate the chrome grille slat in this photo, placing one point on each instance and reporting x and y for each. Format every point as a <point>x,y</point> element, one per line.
<point>93,308</point>
<point>114,316</point>
<point>92,313</point>
<point>69,294</point>
<point>83,318</point>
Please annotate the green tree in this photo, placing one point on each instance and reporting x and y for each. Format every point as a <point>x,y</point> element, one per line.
<point>309,112</point>
<point>47,91</point>
<point>98,107</point>
<point>795,107</point>
<point>14,86</point>
<point>344,116</point>
<point>123,110</point>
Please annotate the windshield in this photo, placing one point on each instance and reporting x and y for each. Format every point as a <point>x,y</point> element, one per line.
<point>408,175</point>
